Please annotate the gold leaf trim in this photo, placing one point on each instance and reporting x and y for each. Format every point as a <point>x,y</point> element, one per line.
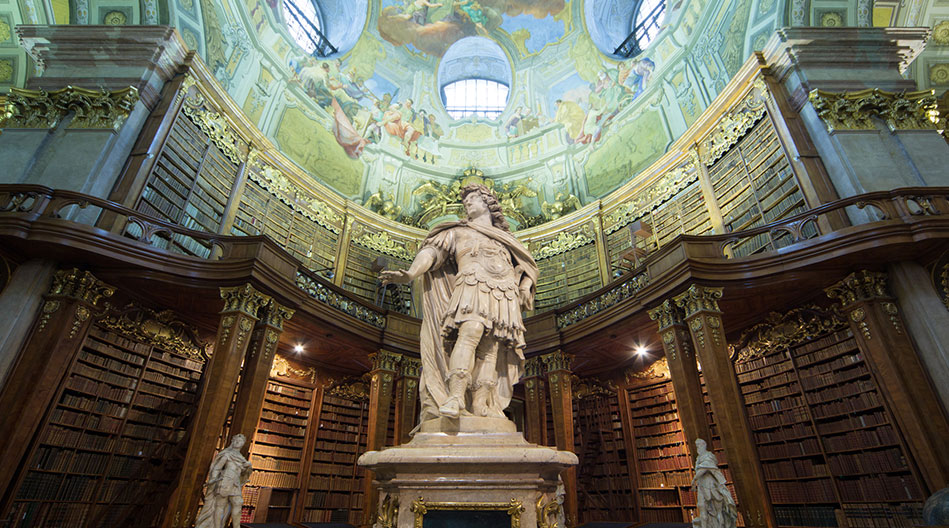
<point>782,331</point>
<point>215,126</point>
<point>382,243</point>
<point>734,124</point>
<point>92,109</point>
<point>300,200</point>
<point>657,369</point>
<point>282,368</point>
<point>514,508</point>
<point>563,243</point>
<point>667,186</point>
<point>162,329</point>
<point>855,110</point>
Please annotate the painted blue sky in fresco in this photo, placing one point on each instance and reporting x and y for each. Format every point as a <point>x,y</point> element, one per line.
<point>542,31</point>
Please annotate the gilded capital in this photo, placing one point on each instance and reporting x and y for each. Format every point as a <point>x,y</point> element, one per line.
<point>80,285</point>
<point>274,314</point>
<point>533,367</point>
<point>699,299</point>
<point>860,286</point>
<point>92,109</point>
<point>557,361</point>
<point>411,367</point>
<point>855,110</point>
<point>666,314</point>
<point>244,299</point>
<point>384,360</point>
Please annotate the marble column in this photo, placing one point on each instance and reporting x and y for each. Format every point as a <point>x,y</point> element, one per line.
<point>908,391</point>
<point>256,371</point>
<point>83,143</point>
<point>561,405</point>
<point>55,339</point>
<point>700,307</point>
<point>241,305</point>
<point>683,370</point>
<point>927,319</point>
<point>866,142</point>
<point>384,367</point>
<point>19,303</point>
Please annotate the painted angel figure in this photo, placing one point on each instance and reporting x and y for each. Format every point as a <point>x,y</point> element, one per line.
<point>222,495</point>
<point>478,277</point>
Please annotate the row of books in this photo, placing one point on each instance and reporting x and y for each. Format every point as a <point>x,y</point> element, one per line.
<point>788,432</point>
<point>85,403</point>
<point>170,393</point>
<point>810,515</point>
<point>765,372</point>
<point>883,515</point>
<point>273,480</point>
<point>347,435</point>
<point>880,488</point>
<point>862,439</point>
<point>350,416</point>
<point>806,491</point>
<point>668,497</point>
<point>786,417</point>
<point>164,368</point>
<point>285,441</point>
<point>645,412</point>
<point>279,388</point>
<point>664,464</point>
<point>263,449</point>
<point>868,462</point>
<point>768,383</point>
<point>177,360</point>
<point>776,404</point>
<point>327,499</point>
<point>112,378</point>
<point>282,428</point>
<point>668,416</point>
<point>804,447</point>
<point>280,417</point>
<point>666,479</point>
<point>668,427</point>
<point>847,346</point>
<point>661,452</point>
<point>162,405</point>
<point>853,404</point>
<point>164,420</point>
<point>335,456</point>
<point>107,362</point>
<point>171,381</point>
<point>286,409</point>
<point>349,446</point>
<point>763,361</point>
<point>287,400</point>
<point>325,468</point>
<point>798,467</point>
<point>276,464</point>
<point>114,340</point>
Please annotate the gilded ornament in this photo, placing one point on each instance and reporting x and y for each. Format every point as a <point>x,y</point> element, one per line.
<point>215,126</point>
<point>606,300</point>
<point>698,299</point>
<point>533,367</point>
<point>856,110</point>
<point>858,315</point>
<point>655,194</point>
<point>514,508</point>
<point>859,286</point>
<point>49,308</point>
<point>782,331</point>
<point>91,109</point>
<point>226,323</point>
<point>299,199</point>
<point>548,513</point>
<point>5,32</point>
<point>383,204</point>
<point>410,366</point>
<point>733,125</point>
<point>831,19</point>
<point>274,314</point>
<point>557,361</point>
<point>282,368</point>
<point>893,312</point>
<point>666,314</point>
<point>81,316</point>
<point>243,327</point>
<point>656,369</point>
<point>940,35</point>
<point>388,514</point>
<point>381,242</point>
<point>321,293</point>
<point>356,389</point>
<point>80,285</point>
<point>563,243</point>
<point>384,360</point>
<point>114,18</point>
<point>591,388</point>
<point>271,340</point>
<point>244,299</point>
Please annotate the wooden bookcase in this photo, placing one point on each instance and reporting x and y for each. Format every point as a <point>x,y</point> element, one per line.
<point>190,185</point>
<point>122,404</point>
<point>334,488</point>
<point>603,475</point>
<point>278,452</point>
<point>829,447</point>
<point>361,280</point>
<point>754,184</point>
<point>664,465</point>
<point>567,276</point>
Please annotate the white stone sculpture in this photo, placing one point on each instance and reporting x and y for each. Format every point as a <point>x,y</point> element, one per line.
<point>478,277</point>
<point>222,494</point>
<point>716,508</point>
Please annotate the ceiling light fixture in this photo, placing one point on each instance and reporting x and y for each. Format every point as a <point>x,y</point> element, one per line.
<point>298,349</point>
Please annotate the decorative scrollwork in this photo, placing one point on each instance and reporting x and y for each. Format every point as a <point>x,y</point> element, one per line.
<point>356,389</point>
<point>162,329</point>
<point>782,331</point>
<point>514,508</point>
<point>557,361</point>
<point>278,184</point>
<point>584,388</point>
<point>215,126</point>
<point>651,197</point>
<point>282,367</point>
<point>855,110</point>
<point>340,302</point>
<point>563,243</point>
<point>91,109</point>
<point>612,297</point>
<point>244,299</point>
<point>656,369</point>
<point>80,285</point>
<point>381,241</point>
<point>860,286</point>
<point>733,125</point>
<point>698,299</point>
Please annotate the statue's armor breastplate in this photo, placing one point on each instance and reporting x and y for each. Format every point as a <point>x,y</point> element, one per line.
<point>484,259</point>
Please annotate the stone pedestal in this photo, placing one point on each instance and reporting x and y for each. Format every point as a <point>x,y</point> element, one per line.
<point>467,464</point>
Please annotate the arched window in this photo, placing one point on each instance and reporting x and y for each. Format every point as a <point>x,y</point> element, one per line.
<point>646,22</point>
<point>480,97</point>
<point>303,23</point>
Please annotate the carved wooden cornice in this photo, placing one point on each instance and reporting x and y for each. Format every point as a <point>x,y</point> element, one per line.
<point>161,329</point>
<point>304,201</point>
<point>564,241</point>
<point>856,110</point>
<point>782,331</point>
<point>91,109</point>
<point>381,241</point>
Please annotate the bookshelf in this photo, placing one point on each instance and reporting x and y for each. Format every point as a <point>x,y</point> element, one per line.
<point>263,213</point>
<point>189,184</point>
<point>567,276</point>
<point>122,405</point>
<point>603,473</point>
<point>334,491</point>
<point>754,184</point>
<point>664,465</point>
<point>829,447</point>
<point>278,452</point>
<point>361,280</point>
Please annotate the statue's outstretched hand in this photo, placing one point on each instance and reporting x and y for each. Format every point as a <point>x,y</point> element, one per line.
<point>395,276</point>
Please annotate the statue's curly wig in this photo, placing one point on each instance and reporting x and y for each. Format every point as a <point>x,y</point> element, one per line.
<point>497,217</point>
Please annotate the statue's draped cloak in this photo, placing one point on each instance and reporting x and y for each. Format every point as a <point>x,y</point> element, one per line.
<point>437,297</point>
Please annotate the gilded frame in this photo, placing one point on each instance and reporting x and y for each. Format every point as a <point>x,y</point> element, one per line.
<point>514,508</point>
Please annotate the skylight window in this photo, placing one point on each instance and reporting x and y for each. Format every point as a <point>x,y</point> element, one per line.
<point>303,23</point>
<point>646,22</point>
<point>479,97</point>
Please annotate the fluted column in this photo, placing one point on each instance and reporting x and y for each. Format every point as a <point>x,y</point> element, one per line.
<point>384,367</point>
<point>533,407</point>
<point>704,320</point>
<point>877,325</point>
<point>561,402</point>
<point>684,372</point>
<point>256,371</point>
<point>241,304</point>
<point>62,322</point>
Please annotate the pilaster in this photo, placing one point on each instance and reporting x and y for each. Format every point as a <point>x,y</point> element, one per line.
<point>384,367</point>
<point>58,332</point>
<point>704,320</point>
<point>881,335</point>
<point>256,372</point>
<point>683,370</point>
<point>241,305</point>
<point>19,302</point>
<point>557,365</point>
<point>534,406</point>
<point>406,413</point>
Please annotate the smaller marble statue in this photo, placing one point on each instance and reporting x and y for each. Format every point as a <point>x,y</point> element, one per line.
<point>222,494</point>
<point>716,508</point>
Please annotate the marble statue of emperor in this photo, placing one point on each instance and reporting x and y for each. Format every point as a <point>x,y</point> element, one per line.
<point>478,277</point>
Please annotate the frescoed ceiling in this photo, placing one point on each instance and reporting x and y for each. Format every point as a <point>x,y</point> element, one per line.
<point>370,124</point>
